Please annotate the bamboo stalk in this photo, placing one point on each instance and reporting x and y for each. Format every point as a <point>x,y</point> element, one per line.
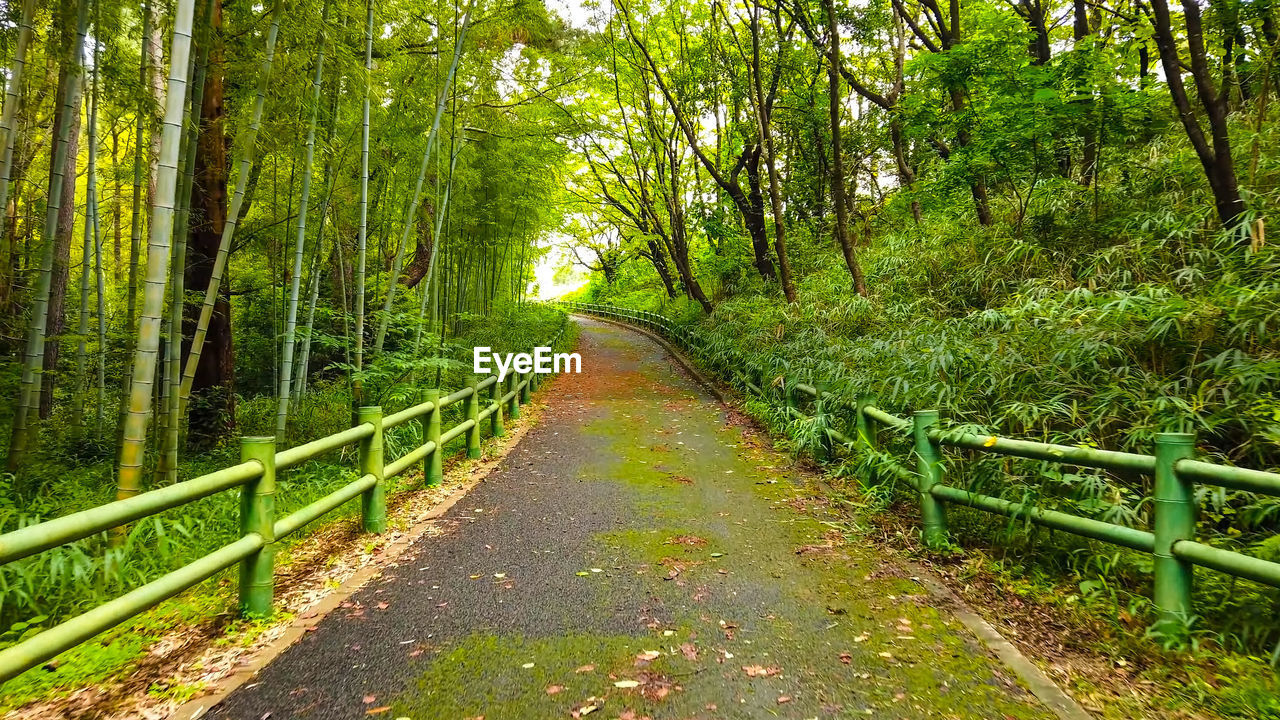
<point>90,244</point>
<point>134,441</point>
<point>362,237</point>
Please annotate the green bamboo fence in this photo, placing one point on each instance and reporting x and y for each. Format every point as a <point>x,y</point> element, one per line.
<point>1170,540</point>
<point>256,476</point>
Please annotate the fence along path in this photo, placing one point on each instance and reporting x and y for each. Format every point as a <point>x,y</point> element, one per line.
<point>1171,538</point>
<point>255,475</point>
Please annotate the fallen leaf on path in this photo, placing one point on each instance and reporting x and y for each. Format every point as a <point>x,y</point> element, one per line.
<point>846,658</point>
<point>784,699</point>
<point>526,666</point>
<point>586,707</point>
<point>585,669</point>
<point>370,699</point>
<point>377,710</point>
<point>555,689</point>
<point>760,671</point>
<point>626,684</point>
<point>646,657</point>
<point>690,652</point>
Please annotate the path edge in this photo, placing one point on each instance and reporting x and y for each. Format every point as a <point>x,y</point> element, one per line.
<point>1040,685</point>
<point>675,353</point>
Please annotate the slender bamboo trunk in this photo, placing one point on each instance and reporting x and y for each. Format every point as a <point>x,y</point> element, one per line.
<point>139,174</point>
<point>100,411</point>
<point>167,467</point>
<point>33,359</point>
<point>91,203</point>
<point>330,178</point>
<point>12,94</point>
<point>117,207</point>
<point>291,319</point>
<point>362,237</point>
<point>441,211</point>
<point>247,145</point>
<point>162,211</point>
<point>91,241</point>
<point>143,111</point>
<point>82,326</point>
<point>299,387</point>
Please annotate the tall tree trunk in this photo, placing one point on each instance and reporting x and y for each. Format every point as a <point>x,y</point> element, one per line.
<point>209,369</point>
<point>1213,151</point>
<point>764,123</point>
<point>155,80</point>
<point>412,212</point>
<point>57,319</point>
<point>659,260</point>
<point>753,221</point>
<point>167,467</point>
<point>837,154</point>
<point>1089,156</point>
<point>218,374</point>
<point>90,245</point>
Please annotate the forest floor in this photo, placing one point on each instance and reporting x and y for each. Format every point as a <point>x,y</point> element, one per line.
<point>643,552</point>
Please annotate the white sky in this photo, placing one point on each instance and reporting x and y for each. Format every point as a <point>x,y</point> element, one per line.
<point>544,272</point>
<point>579,16</point>
<point>572,11</point>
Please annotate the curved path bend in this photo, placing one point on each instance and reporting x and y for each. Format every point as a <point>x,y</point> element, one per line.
<point>643,553</point>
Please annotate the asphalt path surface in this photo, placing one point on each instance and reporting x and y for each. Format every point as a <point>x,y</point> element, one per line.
<point>642,552</point>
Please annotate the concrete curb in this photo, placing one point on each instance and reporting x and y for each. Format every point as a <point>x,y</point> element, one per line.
<point>1045,690</point>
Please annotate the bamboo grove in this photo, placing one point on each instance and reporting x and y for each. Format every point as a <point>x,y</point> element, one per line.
<point>207,200</point>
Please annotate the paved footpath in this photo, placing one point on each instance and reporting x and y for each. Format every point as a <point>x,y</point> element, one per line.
<point>641,553</point>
